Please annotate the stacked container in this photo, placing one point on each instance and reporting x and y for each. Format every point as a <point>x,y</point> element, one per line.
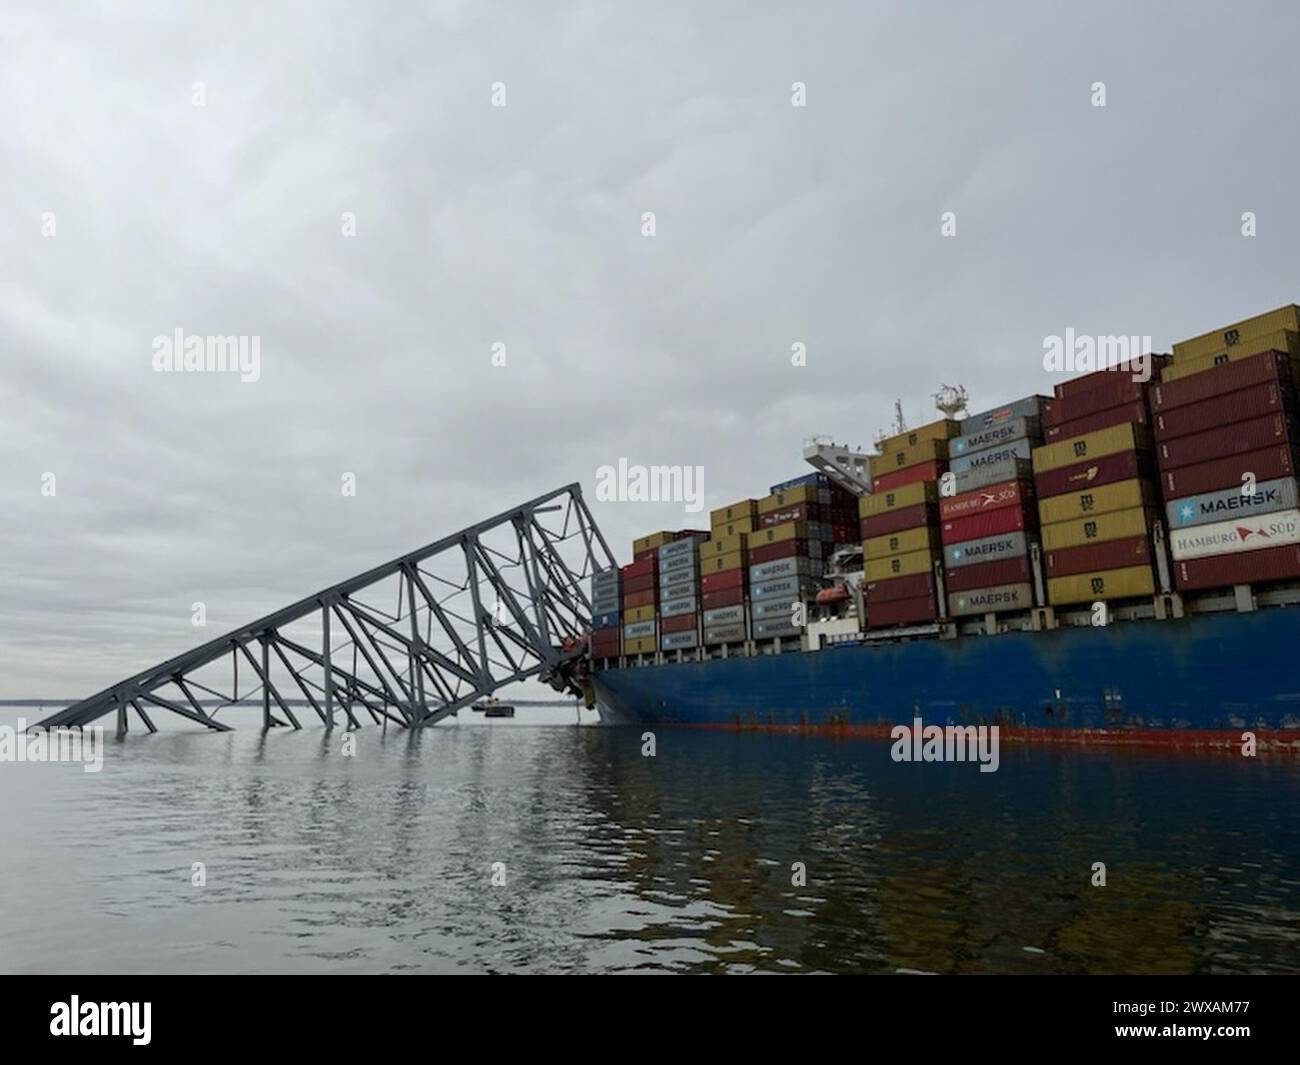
<point>1278,330</point>
<point>917,455</point>
<point>1097,494</point>
<point>724,569</point>
<point>786,554</point>
<point>606,613</point>
<point>1227,438</point>
<point>641,603</point>
<point>679,591</point>
<point>988,527</point>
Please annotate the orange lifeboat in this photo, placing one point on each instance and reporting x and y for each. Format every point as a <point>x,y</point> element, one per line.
<point>831,596</point>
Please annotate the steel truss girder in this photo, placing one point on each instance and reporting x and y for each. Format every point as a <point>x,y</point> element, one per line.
<point>441,650</point>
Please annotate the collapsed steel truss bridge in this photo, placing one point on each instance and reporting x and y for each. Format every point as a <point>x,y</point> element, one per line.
<point>409,642</point>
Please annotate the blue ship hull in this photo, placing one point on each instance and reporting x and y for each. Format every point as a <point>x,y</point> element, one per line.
<point>1199,679</point>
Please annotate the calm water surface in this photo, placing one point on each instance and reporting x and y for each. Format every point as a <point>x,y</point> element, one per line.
<point>615,862</point>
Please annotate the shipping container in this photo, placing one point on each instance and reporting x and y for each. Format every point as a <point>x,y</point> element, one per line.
<point>679,641</point>
<point>1017,449</point>
<point>1122,495</point>
<point>791,530</point>
<point>786,549</point>
<point>1287,342</point>
<point>994,497</point>
<point>639,629</point>
<point>1254,435</point>
<point>718,582</point>
<point>679,623</point>
<point>783,587</point>
<point>1224,571</point>
<point>735,528</point>
<point>745,510</point>
<point>798,512</point>
<point>1245,533</point>
<point>1090,423</point>
<point>1119,369</point>
<point>1131,582</point>
<point>678,589</point>
<point>1264,465</point>
<point>675,569</point>
<point>771,609</point>
<point>1269,367</point>
<point>1247,404</point>
<point>727,615</point>
<point>606,619</point>
<point>781,567</point>
<point>1229,336</point>
<point>1029,407</point>
<point>789,498</point>
<point>927,471</point>
<point>1111,391</point>
<point>651,542</point>
<point>915,455</point>
<point>896,520</point>
<point>724,597</point>
<point>607,605</point>
<point>925,537</point>
<point>1112,554</point>
<point>986,549</point>
<point>1117,438</point>
<point>1267,497</point>
<point>902,612</point>
<point>1093,473</point>
<point>989,523</point>
<point>734,633</point>
<point>991,600</point>
<point>646,645</point>
<point>1008,469</point>
<point>994,435</point>
<point>641,567</point>
<point>1116,525</point>
<point>897,499</point>
<point>639,613</point>
<point>894,588</point>
<point>769,630</point>
<point>815,480</point>
<point>989,574</point>
<point>684,604</point>
<point>683,547</point>
<point>941,431</point>
<point>723,545</point>
<point>633,600</point>
<point>899,565</point>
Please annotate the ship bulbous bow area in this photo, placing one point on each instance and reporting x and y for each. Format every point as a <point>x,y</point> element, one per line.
<point>410,642</point>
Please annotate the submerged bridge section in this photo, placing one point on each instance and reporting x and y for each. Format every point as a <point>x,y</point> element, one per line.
<point>409,642</point>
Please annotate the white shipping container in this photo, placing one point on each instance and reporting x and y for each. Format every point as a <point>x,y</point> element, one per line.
<point>1247,533</point>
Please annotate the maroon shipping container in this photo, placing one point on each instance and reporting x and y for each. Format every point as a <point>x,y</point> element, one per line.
<point>892,521</point>
<point>1269,366</point>
<point>1277,461</point>
<point>1112,554</point>
<point>636,599</point>
<point>1099,378</point>
<point>723,579</point>
<point>901,612</point>
<point>648,563</point>
<point>1258,401</point>
<point>639,584</point>
<point>911,587</point>
<point>784,549</point>
<point>1230,440</point>
<point>795,512</point>
<point>1093,473</point>
<point>991,523</point>
<point>679,623</point>
<point>1006,494</point>
<point>649,552</point>
<point>699,534</point>
<point>1129,412</point>
<point>1251,567</point>
<point>924,471</point>
<point>725,597</point>
<point>989,574</point>
<point>1115,390</point>
<point>842,534</point>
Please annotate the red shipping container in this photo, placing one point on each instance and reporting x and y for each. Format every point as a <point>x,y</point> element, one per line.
<point>1258,401</point>
<point>725,597</point>
<point>1269,366</point>
<point>1099,378</point>
<point>796,512</point>
<point>989,574</point>
<point>1277,461</point>
<point>723,579</point>
<point>991,523</point>
<point>901,612</point>
<point>1250,567</point>
<point>636,599</point>
<point>639,584</point>
<point>1093,473</point>
<point>982,500</point>
<point>1087,558</point>
<point>892,521</point>
<point>1230,440</point>
<point>1116,390</point>
<point>678,623</point>
<point>649,552</point>
<point>842,534</point>
<point>648,563</point>
<point>782,549</point>
<point>923,471</point>
<point>1129,412</point>
<point>910,587</point>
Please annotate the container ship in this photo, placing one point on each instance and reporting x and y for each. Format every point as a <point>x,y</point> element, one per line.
<point>1118,563</point>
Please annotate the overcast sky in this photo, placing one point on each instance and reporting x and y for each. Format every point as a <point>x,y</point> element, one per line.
<point>522,224</point>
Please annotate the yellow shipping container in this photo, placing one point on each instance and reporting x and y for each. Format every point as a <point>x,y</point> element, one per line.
<point>1285,341</point>
<point>745,510</point>
<point>1113,526</point>
<point>639,613</point>
<point>735,528</point>
<point>642,645</point>
<point>1128,582</point>
<point>1110,441</point>
<point>1123,495</point>
<point>922,538</point>
<point>723,545</point>
<point>925,451</point>
<point>804,493</point>
<point>720,563</point>
<point>1284,318</point>
<point>896,498</point>
<point>775,534</point>
<point>942,430</point>
<point>881,569</point>
<point>656,539</point>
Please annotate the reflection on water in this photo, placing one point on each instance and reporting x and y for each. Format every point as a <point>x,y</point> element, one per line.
<point>616,862</point>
